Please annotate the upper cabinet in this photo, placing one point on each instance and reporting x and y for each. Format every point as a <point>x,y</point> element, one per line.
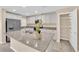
<point>17,17</point>
<point>48,19</point>
<point>30,21</point>
<point>23,21</point>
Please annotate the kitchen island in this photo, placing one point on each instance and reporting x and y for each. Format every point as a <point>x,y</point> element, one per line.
<point>25,42</point>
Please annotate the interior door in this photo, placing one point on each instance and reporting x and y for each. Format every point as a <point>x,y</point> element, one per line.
<point>65,26</point>
<point>73,40</point>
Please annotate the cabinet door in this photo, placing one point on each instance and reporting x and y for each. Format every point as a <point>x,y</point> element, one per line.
<point>73,40</point>
<point>23,22</point>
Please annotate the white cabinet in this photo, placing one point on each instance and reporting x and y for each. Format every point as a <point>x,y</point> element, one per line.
<point>23,21</point>
<point>31,20</point>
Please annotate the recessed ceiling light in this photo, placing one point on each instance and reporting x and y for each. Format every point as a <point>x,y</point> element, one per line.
<point>14,10</point>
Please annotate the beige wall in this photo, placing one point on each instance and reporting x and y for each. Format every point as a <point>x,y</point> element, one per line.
<point>2,26</point>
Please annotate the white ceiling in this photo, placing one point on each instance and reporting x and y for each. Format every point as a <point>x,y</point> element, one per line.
<point>32,10</point>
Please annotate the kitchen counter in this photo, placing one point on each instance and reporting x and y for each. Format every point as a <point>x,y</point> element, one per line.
<point>28,39</point>
<point>44,27</point>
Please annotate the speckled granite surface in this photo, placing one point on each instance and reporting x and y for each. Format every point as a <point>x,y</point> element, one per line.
<point>28,39</point>
<point>47,43</point>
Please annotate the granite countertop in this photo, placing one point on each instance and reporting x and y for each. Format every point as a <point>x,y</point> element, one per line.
<point>28,39</point>
<point>44,27</point>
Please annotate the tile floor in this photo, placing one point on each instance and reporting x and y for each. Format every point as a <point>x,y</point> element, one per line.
<point>5,48</point>
<point>64,46</point>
